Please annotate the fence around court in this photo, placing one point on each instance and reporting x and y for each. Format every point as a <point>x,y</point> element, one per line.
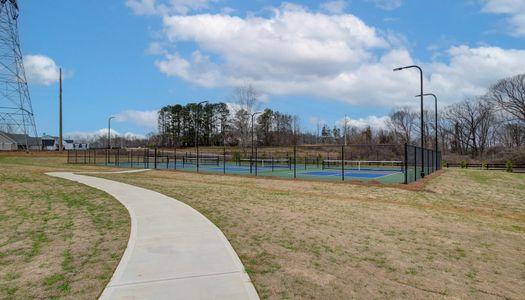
<point>382,163</point>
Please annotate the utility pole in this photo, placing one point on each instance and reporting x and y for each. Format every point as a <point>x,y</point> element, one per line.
<point>109,132</point>
<point>60,130</point>
<point>318,132</point>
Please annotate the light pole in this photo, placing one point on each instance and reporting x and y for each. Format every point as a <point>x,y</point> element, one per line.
<point>422,131</point>
<point>197,131</point>
<point>436,124</point>
<point>251,159</point>
<point>109,132</point>
<point>435,117</point>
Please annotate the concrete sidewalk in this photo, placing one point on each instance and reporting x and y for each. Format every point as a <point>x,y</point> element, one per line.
<point>173,252</point>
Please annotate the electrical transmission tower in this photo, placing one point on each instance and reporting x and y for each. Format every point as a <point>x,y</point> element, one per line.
<point>16,112</point>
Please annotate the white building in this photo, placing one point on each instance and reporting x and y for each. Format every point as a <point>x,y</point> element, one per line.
<point>13,142</point>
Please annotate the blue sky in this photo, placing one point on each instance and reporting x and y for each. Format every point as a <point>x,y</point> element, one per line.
<point>319,60</point>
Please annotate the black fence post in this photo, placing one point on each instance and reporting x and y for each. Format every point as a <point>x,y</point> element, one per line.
<point>175,157</point>
<point>428,162</point>
<point>294,162</point>
<point>145,158</point>
<point>256,161</point>
<point>155,158</point>
<point>131,158</point>
<point>224,160</point>
<point>343,163</point>
<point>415,162</point>
<point>406,163</point>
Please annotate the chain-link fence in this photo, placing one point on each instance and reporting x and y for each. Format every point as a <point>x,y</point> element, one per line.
<point>380,163</point>
<point>420,162</point>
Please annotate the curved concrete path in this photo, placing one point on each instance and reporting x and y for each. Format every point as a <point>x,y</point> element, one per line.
<point>173,252</point>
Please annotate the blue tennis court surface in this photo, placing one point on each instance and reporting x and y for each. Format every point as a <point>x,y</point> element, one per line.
<point>312,172</point>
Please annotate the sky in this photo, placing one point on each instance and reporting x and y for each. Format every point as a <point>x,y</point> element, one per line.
<point>318,60</point>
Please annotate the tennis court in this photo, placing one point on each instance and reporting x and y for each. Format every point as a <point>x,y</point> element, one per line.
<point>381,163</point>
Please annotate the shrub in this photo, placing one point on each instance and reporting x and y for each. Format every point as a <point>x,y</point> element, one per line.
<point>484,165</point>
<point>236,156</point>
<point>463,164</point>
<point>508,166</point>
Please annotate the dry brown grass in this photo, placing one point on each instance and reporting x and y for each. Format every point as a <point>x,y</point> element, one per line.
<point>58,239</point>
<point>461,235</point>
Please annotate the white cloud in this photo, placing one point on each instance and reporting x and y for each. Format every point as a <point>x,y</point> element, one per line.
<point>388,4</point>
<point>142,7</point>
<point>372,121</point>
<point>41,69</point>
<point>145,119</point>
<point>174,65</point>
<point>334,7</point>
<point>156,48</point>
<point>472,70</point>
<point>227,10</point>
<point>287,54</point>
<point>154,7</point>
<point>185,6</point>
<point>284,54</point>
<point>515,9</point>
<point>103,132</point>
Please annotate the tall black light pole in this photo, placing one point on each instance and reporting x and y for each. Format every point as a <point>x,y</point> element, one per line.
<point>435,117</point>
<point>109,132</point>
<point>422,131</point>
<point>251,159</point>
<point>197,130</point>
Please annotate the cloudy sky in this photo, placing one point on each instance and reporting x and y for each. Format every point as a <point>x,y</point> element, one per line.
<point>319,60</point>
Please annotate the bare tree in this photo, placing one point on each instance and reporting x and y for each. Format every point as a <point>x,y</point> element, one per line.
<point>402,123</point>
<point>471,123</point>
<point>247,97</point>
<point>509,95</point>
<point>248,100</point>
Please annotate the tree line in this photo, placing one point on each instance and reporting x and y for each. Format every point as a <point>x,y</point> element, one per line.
<point>485,125</point>
<point>476,126</point>
<point>480,127</point>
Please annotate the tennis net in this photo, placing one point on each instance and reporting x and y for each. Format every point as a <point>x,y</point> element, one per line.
<point>364,165</point>
<point>267,162</point>
<point>210,161</point>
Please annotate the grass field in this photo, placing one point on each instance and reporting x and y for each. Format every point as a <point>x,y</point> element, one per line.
<point>58,239</point>
<point>463,235</point>
<point>460,234</point>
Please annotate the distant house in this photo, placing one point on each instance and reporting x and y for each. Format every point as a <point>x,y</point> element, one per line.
<point>14,141</point>
<point>68,145</point>
<point>51,143</point>
<point>6,143</point>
